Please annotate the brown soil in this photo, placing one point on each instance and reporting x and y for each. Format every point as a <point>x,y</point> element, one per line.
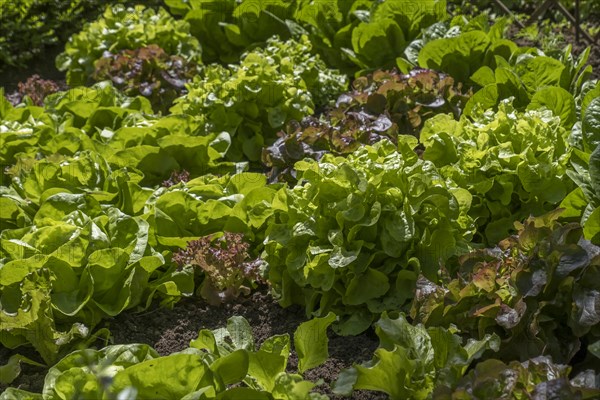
<point>169,331</point>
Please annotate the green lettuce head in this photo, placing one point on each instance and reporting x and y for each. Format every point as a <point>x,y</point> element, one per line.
<point>357,231</point>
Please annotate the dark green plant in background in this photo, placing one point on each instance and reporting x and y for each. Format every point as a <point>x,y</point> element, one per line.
<point>27,27</point>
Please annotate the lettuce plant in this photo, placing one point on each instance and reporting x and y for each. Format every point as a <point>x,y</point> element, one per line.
<point>498,69</point>
<point>71,256</point>
<point>412,361</point>
<point>225,264</point>
<point>583,203</point>
<point>355,232</point>
<point>349,35</point>
<point>36,89</point>
<point>366,35</point>
<point>219,364</point>
<point>122,130</point>
<point>535,378</point>
<point>240,203</point>
<point>146,71</point>
<point>123,28</point>
<point>514,164</point>
<point>75,264</point>
<point>382,105</point>
<point>538,290</point>
<point>272,85</point>
<point>228,28</point>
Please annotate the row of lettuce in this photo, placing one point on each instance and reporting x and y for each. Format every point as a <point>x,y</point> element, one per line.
<point>412,361</point>
<point>110,200</point>
<point>90,231</point>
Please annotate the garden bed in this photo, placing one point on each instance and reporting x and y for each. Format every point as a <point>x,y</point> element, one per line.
<point>427,184</point>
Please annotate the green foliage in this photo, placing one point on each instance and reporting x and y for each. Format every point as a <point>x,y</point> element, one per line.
<point>147,71</point>
<point>381,106</point>
<point>28,27</point>
<point>281,82</point>
<point>310,342</point>
<point>349,35</point>
<point>583,203</point>
<point>83,259</point>
<point>208,204</point>
<point>120,128</point>
<point>514,164</point>
<point>64,123</point>
<point>132,192</point>
<point>123,28</point>
<point>219,364</point>
<point>412,361</point>
<point>354,235</point>
<point>228,28</point>
<point>366,34</point>
<point>79,263</point>
<point>461,56</point>
<point>499,69</point>
<point>493,379</point>
<point>537,290</point>
<point>79,211</point>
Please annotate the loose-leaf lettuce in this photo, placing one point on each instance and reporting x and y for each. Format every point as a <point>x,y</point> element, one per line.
<point>412,361</point>
<point>281,82</point>
<point>514,164</point>
<point>226,265</point>
<point>538,290</point>
<point>356,231</point>
<point>535,378</point>
<point>382,105</point>
<point>123,28</point>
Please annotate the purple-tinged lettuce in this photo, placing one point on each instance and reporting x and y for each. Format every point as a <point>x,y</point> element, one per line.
<point>382,105</point>
<point>538,290</point>
<point>228,270</point>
